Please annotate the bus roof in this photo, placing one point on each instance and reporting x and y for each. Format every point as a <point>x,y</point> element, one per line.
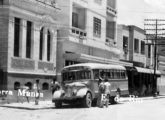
<point>96,66</point>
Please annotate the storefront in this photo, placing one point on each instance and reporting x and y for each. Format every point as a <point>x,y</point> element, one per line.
<point>141,81</point>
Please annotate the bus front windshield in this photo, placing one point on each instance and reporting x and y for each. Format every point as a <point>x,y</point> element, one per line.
<point>76,75</point>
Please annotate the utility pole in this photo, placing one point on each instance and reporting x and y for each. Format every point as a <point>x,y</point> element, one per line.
<point>154,32</point>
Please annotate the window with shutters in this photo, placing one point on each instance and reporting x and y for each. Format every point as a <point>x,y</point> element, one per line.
<point>97,27</point>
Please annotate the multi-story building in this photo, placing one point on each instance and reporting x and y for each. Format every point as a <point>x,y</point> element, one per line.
<point>131,42</point>
<point>88,32</point>
<point>28,33</point>
<point>137,48</point>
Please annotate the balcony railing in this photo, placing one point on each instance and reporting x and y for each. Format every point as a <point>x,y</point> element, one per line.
<point>79,32</point>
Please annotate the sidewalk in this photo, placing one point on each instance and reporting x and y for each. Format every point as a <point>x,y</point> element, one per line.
<point>50,105</point>
<point>139,99</point>
<point>30,105</point>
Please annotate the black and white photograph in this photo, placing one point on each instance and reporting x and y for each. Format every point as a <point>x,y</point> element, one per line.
<point>82,59</point>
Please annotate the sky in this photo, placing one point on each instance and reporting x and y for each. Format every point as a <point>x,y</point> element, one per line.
<point>133,12</point>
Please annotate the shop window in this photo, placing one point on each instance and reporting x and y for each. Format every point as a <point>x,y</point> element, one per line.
<point>16,85</point>
<point>29,84</point>
<point>45,86</point>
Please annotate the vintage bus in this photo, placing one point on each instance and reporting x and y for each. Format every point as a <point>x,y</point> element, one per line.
<point>80,83</point>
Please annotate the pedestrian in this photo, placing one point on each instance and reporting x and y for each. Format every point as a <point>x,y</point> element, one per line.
<point>55,85</point>
<point>107,91</point>
<point>101,91</point>
<point>25,89</point>
<point>36,88</point>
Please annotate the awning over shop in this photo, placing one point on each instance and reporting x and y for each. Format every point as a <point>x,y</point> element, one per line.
<point>89,58</point>
<point>145,70</point>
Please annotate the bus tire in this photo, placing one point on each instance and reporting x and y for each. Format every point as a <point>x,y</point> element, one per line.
<point>112,100</point>
<point>87,100</point>
<point>58,104</point>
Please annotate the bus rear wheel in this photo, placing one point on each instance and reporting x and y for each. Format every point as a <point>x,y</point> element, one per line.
<point>87,101</point>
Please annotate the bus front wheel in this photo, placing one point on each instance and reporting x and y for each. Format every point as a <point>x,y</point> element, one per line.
<point>87,101</point>
<point>112,100</point>
<point>58,104</point>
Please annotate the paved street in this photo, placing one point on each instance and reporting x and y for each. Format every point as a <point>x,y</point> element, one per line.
<point>146,110</point>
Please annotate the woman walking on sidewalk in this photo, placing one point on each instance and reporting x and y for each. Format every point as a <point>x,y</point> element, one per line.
<point>36,88</point>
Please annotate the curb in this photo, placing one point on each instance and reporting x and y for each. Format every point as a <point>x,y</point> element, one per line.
<point>29,106</point>
<point>51,106</point>
<point>141,98</point>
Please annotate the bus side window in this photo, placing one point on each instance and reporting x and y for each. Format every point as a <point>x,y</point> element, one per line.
<point>112,73</point>
<point>96,74</point>
<point>87,74</point>
<point>115,74</point>
<point>108,74</point>
<point>119,74</point>
<point>82,75</point>
<point>123,74</point>
<point>101,73</point>
<point>71,76</point>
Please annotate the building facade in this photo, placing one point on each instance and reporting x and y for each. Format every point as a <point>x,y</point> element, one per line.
<point>88,33</point>
<point>138,49</point>
<point>131,42</point>
<point>28,40</point>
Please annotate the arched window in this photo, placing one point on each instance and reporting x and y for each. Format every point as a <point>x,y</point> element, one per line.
<point>16,85</point>
<point>45,86</point>
<point>48,45</point>
<point>41,43</point>
<point>29,84</point>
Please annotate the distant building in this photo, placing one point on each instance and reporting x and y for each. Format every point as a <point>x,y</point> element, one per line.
<point>131,42</point>
<point>28,36</point>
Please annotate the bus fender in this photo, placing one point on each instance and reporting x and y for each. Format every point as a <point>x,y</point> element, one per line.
<point>57,94</point>
<point>82,92</point>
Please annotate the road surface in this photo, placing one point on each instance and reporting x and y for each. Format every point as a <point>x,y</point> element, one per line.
<point>145,110</point>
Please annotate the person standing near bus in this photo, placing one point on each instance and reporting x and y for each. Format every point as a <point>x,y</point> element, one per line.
<point>101,91</point>
<point>55,85</point>
<point>107,91</point>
